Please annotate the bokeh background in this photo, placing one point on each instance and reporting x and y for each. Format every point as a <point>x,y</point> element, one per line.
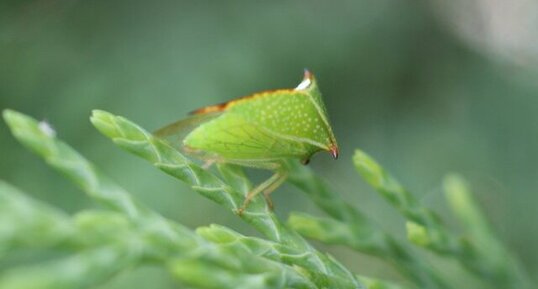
<point>426,87</point>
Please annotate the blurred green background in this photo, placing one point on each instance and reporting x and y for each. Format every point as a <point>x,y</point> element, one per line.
<point>425,87</point>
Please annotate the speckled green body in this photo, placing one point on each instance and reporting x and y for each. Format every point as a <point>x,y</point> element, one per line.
<point>266,127</point>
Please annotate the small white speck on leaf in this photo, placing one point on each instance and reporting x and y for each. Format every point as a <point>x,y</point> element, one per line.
<point>46,128</point>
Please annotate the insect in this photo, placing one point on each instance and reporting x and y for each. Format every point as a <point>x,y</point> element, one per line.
<point>262,131</point>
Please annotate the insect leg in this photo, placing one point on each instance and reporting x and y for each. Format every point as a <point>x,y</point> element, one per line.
<point>272,188</point>
<point>270,184</point>
<point>208,163</point>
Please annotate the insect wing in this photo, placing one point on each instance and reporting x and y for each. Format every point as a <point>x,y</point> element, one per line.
<point>231,136</point>
<point>177,131</point>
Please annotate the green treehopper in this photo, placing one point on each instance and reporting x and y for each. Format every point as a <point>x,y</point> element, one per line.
<point>263,131</point>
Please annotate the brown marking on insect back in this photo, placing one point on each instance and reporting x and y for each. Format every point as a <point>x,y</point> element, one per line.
<point>210,109</point>
<point>226,105</point>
